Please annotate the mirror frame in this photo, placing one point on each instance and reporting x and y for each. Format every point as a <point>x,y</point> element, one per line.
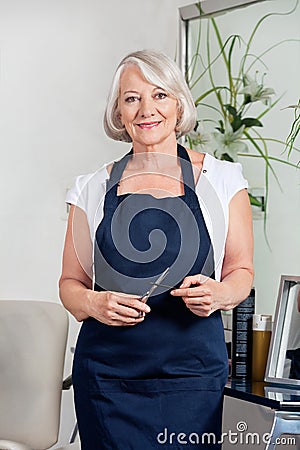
<point>286,283</point>
<point>209,8</point>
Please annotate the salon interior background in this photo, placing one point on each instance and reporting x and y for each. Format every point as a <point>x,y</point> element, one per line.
<point>56,63</point>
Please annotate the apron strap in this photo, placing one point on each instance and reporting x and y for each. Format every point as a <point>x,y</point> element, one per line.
<point>117,171</point>
<point>186,167</point>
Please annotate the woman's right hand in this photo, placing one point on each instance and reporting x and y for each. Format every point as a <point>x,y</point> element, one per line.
<point>115,308</point>
<point>76,281</point>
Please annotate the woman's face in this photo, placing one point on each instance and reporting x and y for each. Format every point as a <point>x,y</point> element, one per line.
<point>148,112</point>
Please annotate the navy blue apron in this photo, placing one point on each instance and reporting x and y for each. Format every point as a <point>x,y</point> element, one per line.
<point>158,384</point>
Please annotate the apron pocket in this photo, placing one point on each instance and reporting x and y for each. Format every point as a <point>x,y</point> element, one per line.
<point>153,385</point>
<point>158,413</point>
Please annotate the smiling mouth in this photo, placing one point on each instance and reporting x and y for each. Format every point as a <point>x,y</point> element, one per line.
<point>148,125</point>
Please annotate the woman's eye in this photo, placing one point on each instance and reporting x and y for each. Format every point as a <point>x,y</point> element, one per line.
<point>131,99</point>
<point>161,95</point>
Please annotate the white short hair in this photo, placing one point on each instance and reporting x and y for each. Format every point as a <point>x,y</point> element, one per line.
<point>157,69</point>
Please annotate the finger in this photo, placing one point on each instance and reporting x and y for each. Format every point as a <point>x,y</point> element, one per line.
<point>189,281</point>
<point>194,301</point>
<point>193,280</point>
<point>136,304</point>
<point>195,291</point>
<point>203,310</point>
<point>132,323</point>
<point>126,321</point>
<point>125,311</point>
<point>120,313</point>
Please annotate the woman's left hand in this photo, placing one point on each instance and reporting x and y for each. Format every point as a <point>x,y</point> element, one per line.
<point>199,293</point>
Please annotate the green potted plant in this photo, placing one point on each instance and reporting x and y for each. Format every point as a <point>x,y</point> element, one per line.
<point>238,104</point>
<point>295,128</point>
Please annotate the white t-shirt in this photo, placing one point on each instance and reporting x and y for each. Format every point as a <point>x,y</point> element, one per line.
<point>218,183</point>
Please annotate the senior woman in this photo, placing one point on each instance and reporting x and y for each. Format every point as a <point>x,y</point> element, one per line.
<point>148,375</point>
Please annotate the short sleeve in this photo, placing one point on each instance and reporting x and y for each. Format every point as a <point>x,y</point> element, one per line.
<point>76,195</point>
<point>235,181</point>
<point>88,194</point>
<point>219,182</point>
<point>225,177</point>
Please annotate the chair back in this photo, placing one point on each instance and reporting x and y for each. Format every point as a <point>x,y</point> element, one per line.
<point>33,336</point>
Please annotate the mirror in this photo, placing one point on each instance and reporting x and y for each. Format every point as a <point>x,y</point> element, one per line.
<point>284,354</point>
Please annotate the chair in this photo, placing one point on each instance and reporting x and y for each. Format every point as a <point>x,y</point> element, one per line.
<point>33,336</point>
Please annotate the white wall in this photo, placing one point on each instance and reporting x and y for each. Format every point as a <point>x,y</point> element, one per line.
<point>57,59</point>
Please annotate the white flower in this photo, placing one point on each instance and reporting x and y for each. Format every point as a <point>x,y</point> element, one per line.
<point>256,91</point>
<point>201,139</point>
<point>229,142</point>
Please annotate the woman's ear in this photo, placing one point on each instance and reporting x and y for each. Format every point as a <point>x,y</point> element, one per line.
<point>117,113</point>
<point>119,117</point>
<point>179,112</point>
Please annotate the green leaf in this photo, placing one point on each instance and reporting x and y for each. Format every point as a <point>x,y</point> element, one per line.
<point>221,128</point>
<point>231,109</point>
<point>189,140</point>
<point>210,91</point>
<point>251,122</point>
<point>226,157</point>
<point>255,201</point>
<point>271,158</point>
<point>238,39</point>
<point>210,72</point>
<point>294,131</point>
<point>247,99</point>
<point>236,123</point>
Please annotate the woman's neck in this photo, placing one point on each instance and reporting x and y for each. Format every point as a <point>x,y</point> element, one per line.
<point>155,156</point>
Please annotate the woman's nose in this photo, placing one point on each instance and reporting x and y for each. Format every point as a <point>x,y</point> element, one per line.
<point>147,108</point>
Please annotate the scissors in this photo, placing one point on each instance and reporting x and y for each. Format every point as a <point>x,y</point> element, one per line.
<point>154,286</point>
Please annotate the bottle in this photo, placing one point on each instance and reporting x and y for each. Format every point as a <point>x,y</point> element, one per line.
<point>241,364</point>
<point>261,336</point>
